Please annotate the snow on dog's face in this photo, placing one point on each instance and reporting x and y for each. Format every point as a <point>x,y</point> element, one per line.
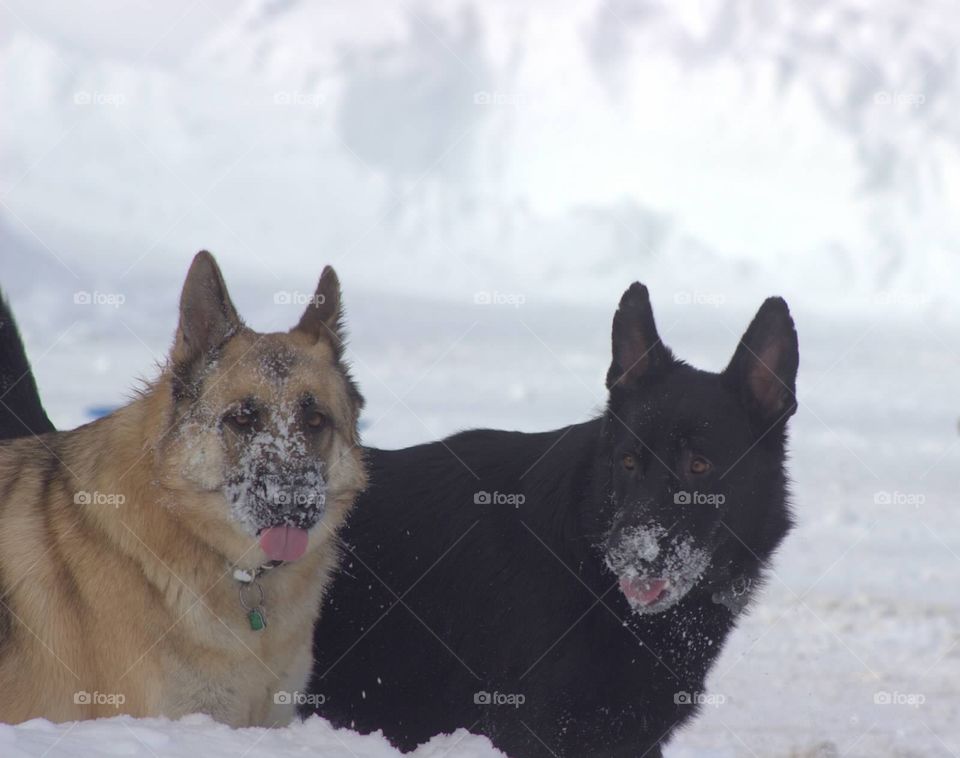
<point>688,455</point>
<point>266,424</point>
<point>655,569</point>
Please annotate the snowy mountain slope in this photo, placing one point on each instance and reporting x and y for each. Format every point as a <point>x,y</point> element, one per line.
<point>555,151</point>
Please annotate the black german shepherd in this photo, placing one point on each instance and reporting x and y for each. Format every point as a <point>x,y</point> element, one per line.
<point>565,593</point>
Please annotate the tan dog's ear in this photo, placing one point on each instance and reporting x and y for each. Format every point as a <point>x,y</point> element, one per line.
<point>321,319</point>
<point>207,317</point>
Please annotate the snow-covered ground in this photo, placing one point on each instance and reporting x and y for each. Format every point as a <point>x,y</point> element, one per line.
<point>201,736</point>
<point>487,179</point>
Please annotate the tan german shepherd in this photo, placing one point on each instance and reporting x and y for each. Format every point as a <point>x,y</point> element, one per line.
<point>171,557</point>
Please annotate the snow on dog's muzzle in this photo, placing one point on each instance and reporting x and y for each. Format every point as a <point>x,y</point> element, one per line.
<point>280,509</point>
<point>655,570</point>
<point>298,506</point>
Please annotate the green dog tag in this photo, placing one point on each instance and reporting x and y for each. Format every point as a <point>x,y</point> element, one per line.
<point>257,619</point>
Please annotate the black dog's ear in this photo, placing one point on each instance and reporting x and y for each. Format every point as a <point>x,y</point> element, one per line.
<point>638,352</point>
<point>207,316</point>
<point>763,369</point>
<point>322,318</point>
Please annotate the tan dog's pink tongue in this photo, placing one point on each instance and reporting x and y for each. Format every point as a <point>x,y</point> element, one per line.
<point>284,543</point>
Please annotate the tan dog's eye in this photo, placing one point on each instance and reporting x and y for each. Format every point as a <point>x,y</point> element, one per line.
<point>629,462</point>
<point>315,419</point>
<point>243,419</point>
<point>700,465</point>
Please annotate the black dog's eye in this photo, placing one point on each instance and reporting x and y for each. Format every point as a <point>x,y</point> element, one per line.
<point>629,461</point>
<point>314,419</point>
<point>700,465</point>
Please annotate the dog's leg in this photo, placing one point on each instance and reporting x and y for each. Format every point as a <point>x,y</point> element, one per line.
<point>280,705</point>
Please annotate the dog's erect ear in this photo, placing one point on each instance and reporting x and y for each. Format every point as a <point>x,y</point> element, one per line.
<point>638,352</point>
<point>321,319</point>
<point>207,316</point>
<point>763,369</point>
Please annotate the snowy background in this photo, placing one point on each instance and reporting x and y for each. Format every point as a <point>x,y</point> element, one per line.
<point>487,179</point>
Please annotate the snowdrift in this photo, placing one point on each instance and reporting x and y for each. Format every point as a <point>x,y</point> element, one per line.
<point>201,736</point>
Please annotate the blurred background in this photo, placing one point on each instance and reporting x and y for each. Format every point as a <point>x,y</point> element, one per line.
<point>487,178</point>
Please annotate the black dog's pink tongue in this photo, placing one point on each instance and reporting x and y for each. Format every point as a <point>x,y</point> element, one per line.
<point>284,543</point>
<point>643,591</point>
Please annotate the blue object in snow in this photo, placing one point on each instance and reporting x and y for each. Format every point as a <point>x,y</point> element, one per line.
<point>99,411</point>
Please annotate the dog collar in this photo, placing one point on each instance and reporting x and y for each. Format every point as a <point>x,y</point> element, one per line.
<point>245,576</point>
<point>248,581</point>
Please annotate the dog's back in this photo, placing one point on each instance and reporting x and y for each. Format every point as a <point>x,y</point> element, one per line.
<point>65,579</point>
<point>64,584</point>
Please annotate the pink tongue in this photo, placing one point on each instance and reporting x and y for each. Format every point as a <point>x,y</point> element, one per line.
<point>284,543</point>
<point>643,591</point>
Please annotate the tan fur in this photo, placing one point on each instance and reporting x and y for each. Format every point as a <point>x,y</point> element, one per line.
<point>135,603</point>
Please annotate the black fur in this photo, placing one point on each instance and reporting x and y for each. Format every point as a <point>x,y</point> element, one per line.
<point>21,412</point>
<point>443,598</point>
<point>448,599</point>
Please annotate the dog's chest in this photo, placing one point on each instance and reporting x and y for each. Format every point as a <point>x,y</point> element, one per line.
<point>242,695</point>
<point>240,672</point>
